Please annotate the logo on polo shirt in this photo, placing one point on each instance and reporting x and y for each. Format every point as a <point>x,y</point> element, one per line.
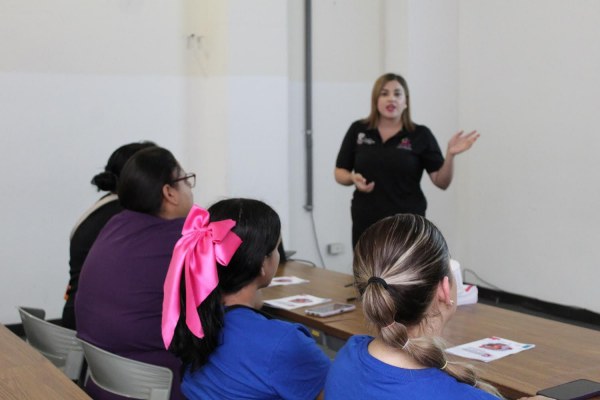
<point>363,139</point>
<point>405,144</point>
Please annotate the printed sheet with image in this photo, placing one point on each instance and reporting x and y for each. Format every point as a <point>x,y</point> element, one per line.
<point>297,301</point>
<point>489,349</point>
<point>286,280</point>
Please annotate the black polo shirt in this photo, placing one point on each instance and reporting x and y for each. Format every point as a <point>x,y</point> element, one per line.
<point>395,166</point>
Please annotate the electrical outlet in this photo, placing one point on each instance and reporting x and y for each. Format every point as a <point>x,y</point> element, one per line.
<point>335,248</point>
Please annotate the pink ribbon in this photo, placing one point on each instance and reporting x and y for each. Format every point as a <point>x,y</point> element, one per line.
<point>202,245</point>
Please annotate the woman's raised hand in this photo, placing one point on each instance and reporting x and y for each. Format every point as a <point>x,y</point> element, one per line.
<point>460,142</point>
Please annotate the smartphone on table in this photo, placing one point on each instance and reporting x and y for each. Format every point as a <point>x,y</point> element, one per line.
<point>330,309</point>
<point>575,390</point>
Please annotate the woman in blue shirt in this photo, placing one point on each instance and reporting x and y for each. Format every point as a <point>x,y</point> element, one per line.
<point>211,316</point>
<point>402,271</point>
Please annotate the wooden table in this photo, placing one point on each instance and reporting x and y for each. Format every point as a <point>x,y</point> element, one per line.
<point>26,374</point>
<point>563,352</point>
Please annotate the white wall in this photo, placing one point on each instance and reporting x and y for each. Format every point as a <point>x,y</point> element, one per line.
<point>522,210</point>
<point>355,42</point>
<point>238,101</point>
<point>206,59</point>
<point>529,80</point>
<point>78,79</point>
<point>346,51</point>
<point>432,60</point>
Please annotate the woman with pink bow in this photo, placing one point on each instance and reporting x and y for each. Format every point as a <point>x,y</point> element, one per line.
<point>211,311</point>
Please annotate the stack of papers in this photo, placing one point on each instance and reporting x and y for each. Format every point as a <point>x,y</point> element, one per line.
<point>489,349</point>
<point>297,301</point>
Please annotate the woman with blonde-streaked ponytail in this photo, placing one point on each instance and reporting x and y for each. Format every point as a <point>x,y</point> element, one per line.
<point>402,271</point>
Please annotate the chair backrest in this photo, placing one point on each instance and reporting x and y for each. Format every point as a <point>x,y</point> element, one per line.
<point>126,377</point>
<point>56,343</point>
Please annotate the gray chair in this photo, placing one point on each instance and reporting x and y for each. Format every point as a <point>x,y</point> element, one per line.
<point>57,344</point>
<point>126,377</point>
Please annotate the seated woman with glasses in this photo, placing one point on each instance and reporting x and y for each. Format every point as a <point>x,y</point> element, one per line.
<point>211,314</point>
<point>402,271</point>
<point>119,301</point>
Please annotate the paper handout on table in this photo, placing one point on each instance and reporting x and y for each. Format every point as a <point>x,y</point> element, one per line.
<point>489,349</point>
<point>297,301</point>
<point>286,280</point>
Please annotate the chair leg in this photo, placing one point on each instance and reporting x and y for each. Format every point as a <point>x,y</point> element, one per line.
<point>84,374</point>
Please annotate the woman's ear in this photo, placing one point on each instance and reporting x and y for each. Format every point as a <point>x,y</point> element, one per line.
<point>170,195</point>
<point>444,292</point>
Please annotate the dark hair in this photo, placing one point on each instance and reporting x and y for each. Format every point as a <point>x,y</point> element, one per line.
<point>108,179</point>
<point>259,227</point>
<point>373,119</point>
<point>143,177</point>
<point>410,254</point>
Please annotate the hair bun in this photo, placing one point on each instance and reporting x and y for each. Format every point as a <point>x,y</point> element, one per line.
<point>105,181</point>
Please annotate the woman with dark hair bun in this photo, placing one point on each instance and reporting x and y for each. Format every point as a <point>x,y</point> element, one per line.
<point>107,180</point>
<point>119,302</point>
<point>88,226</point>
<point>211,312</point>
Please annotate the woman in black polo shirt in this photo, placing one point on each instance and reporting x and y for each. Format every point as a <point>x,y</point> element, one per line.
<point>385,154</point>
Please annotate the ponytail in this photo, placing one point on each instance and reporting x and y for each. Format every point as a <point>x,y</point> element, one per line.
<point>398,265</point>
<point>429,351</point>
<point>194,351</point>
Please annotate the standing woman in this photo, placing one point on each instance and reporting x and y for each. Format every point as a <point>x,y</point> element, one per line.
<point>87,228</point>
<point>402,271</point>
<point>385,154</point>
<point>211,314</point>
<point>119,302</point>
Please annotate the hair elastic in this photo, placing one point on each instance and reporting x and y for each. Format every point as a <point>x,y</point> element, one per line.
<point>390,324</point>
<point>445,365</point>
<point>376,279</point>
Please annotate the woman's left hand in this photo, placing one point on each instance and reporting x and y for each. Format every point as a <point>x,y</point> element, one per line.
<point>460,142</point>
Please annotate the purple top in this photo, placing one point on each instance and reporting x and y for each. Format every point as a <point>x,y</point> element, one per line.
<point>119,301</point>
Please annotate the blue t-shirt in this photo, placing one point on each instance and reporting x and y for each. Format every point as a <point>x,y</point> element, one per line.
<point>355,374</point>
<point>259,358</point>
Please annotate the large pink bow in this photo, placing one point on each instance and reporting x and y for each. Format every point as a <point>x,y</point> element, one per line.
<point>202,244</point>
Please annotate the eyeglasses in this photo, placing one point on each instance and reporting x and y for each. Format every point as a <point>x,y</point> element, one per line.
<point>190,179</point>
